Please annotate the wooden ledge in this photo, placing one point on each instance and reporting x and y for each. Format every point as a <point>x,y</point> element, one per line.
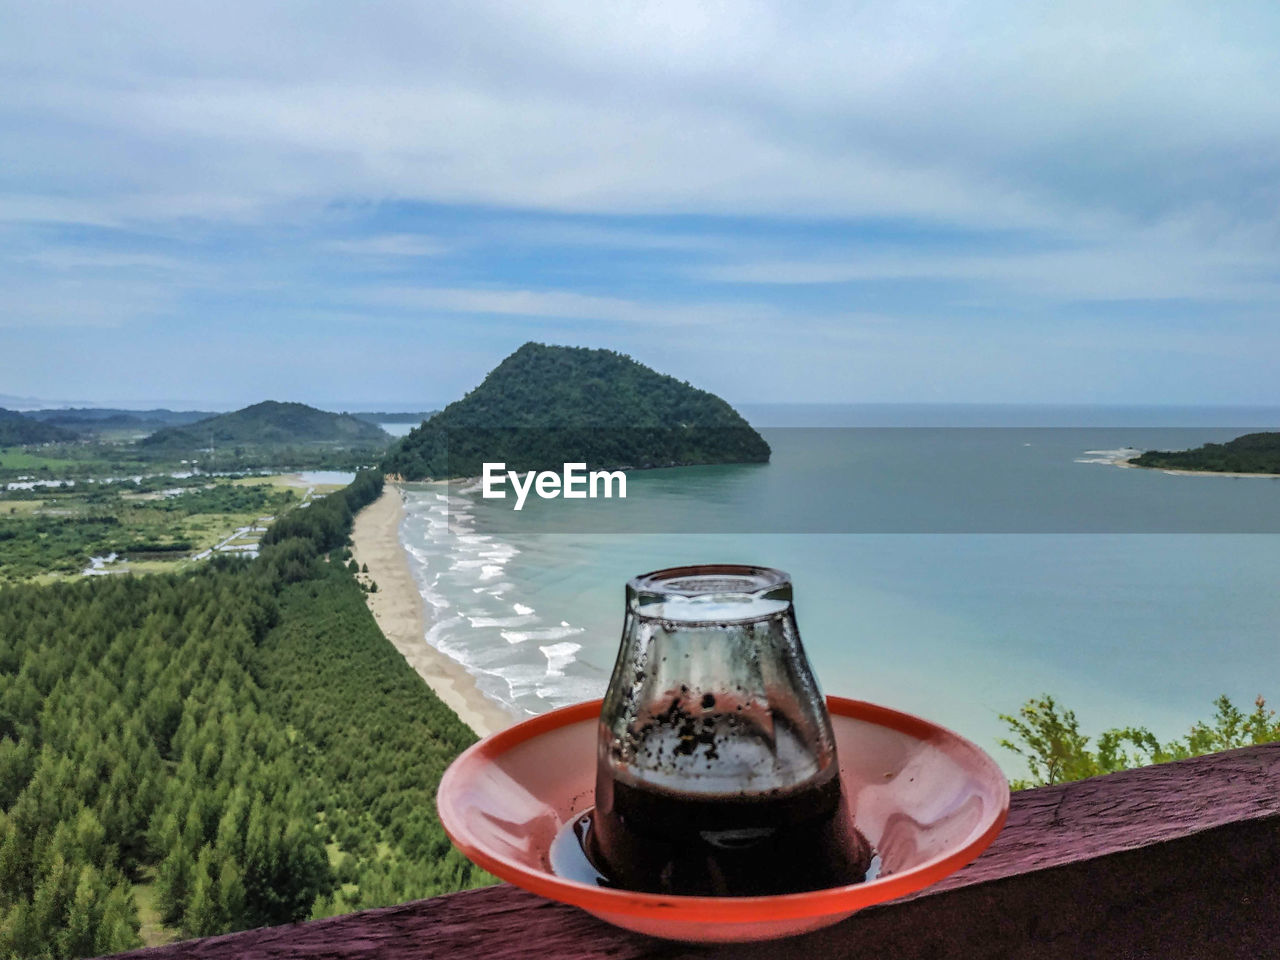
<point>1178,862</point>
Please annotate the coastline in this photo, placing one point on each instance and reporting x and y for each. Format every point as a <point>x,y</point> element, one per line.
<point>398,608</point>
<point>1175,472</point>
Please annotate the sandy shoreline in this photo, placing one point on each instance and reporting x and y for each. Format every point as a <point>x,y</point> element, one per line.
<point>400,612</point>
<point>1175,472</point>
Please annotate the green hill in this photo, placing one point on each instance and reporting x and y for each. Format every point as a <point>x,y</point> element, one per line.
<point>1251,453</point>
<point>103,419</point>
<point>271,424</point>
<point>15,430</point>
<point>544,406</point>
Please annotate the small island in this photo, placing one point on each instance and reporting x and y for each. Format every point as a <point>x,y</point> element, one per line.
<point>1254,454</point>
<point>545,406</point>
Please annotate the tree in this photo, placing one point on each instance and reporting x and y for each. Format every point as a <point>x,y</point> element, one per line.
<point>118,926</point>
<point>53,897</point>
<point>203,916</point>
<point>90,839</point>
<point>17,763</point>
<point>1231,728</point>
<point>11,863</point>
<point>230,894</point>
<point>173,884</point>
<point>20,933</point>
<point>78,936</point>
<point>203,726</point>
<point>1049,739</point>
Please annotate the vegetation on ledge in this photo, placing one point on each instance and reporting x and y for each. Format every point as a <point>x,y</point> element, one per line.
<point>1251,453</point>
<point>1048,737</point>
<point>545,406</point>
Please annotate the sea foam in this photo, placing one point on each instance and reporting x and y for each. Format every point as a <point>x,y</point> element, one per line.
<point>545,633</point>
<point>559,656</point>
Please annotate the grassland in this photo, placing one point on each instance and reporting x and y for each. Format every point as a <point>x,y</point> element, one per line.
<point>153,931</point>
<point>20,508</point>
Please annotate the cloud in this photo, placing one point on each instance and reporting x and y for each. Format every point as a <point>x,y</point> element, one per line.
<point>1171,261</point>
<point>63,259</point>
<point>912,179</point>
<point>558,233</point>
<point>569,305</point>
<point>996,114</point>
<point>78,303</point>
<point>391,245</point>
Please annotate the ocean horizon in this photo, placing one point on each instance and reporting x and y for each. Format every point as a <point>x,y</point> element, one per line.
<point>1138,620</point>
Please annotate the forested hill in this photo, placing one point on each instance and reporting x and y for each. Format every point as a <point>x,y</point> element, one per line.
<point>184,755</point>
<point>547,405</point>
<point>98,419</point>
<point>1251,453</point>
<point>272,423</point>
<point>16,429</point>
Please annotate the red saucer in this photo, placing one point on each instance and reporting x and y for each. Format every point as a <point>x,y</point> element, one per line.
<point>927,799</point>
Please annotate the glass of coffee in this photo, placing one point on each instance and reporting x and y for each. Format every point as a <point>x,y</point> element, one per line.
<point>717,772</point>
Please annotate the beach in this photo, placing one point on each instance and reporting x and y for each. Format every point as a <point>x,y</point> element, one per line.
<point>397,606</point>
<point>1121,458</point>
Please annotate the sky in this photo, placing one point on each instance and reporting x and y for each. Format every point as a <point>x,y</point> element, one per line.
<point>355,205</point>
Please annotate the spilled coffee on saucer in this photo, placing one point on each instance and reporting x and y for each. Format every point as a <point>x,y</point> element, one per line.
<point>716,768</point>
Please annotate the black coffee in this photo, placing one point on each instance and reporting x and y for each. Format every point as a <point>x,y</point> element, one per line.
<point>659,841</point>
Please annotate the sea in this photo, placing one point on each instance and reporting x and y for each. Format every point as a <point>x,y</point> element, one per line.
<point>950,561</point>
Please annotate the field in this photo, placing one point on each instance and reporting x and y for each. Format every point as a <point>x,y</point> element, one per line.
<point>15,458</point>
<point>158,525</point>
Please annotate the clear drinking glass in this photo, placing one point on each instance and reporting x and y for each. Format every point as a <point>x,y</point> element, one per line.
<point>716,768</point>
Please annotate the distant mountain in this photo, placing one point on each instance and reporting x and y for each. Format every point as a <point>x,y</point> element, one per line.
<point>417,417</point>
<point>271,423</point>
<point>14,402</point>
<point>108,418</point>
<point>17,429</point>
<point>1250,453</point>
<point>544,406</point>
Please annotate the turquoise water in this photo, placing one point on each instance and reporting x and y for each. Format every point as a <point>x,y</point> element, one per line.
<point>1123,627</point>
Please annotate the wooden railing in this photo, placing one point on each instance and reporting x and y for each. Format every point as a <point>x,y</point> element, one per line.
<point>1177,862</point>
